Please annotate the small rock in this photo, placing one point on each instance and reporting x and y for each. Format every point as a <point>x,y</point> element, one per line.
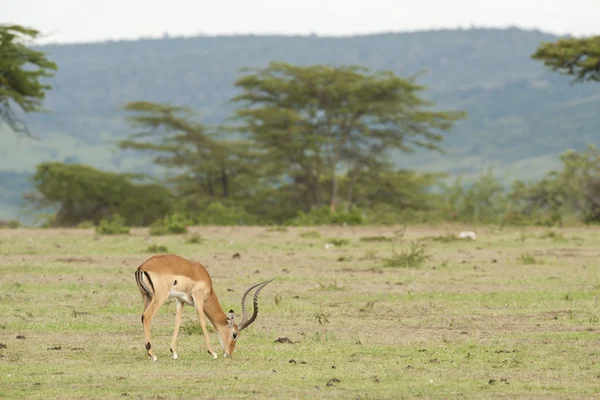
<point>236,255</point>
<point>292,361</point>
<point>21,337</point>
<point>2,346</point>
<point>55,348</point>
<point>283,340</point>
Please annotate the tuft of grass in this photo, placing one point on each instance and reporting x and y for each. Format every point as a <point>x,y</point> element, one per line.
<point>277,229</point>
<point>556,236</point>
<point>194,239</point>
<point>528,259</point>
<point>338,242</point>
<point>157,248</point>
<point>335,286</point>
<point>375,239</point>
<point>310,235</point>
<point>414,256</point>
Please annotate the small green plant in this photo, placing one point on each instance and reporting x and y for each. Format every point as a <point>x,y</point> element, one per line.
<point>344,258</point>
<point>339,242</point>
<point>556,236</point>
<point>527,259</point>
<point>85,225</point>
<point>375,239</point>
<point>368,307</point>
<point>277,229</point>
<point>331,286</point>
<point>322,318</point>
<point>370,255</point>
<point>415,256</point>
<point>157,248</point>
<point>310,235</point>
<point>112,226</point>
<point>171,224</point>
<point>194,239</point>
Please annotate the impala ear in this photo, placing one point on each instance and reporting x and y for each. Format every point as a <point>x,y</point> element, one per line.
<point>230,318</point>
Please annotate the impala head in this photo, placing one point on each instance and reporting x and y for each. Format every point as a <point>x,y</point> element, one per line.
<point>228,342</point>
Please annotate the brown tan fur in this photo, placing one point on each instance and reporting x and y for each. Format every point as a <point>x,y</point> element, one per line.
<point>170,276</point>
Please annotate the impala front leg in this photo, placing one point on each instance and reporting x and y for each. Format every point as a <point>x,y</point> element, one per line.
<point>178,312</point>
<point>199,304</point>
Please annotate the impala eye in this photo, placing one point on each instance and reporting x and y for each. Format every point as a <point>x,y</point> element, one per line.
<point>235,335</point>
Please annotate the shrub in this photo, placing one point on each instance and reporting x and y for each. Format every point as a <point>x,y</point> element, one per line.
<point>171,224</point>
<point>413,257</point>
<point>157,248</point>
<point>217,213</point>
<point>112,226</point>
<point>324,216</point>
<point>194,239</point>
<point>310,235</point>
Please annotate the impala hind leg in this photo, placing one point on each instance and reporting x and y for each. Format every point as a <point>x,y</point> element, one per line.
<point>199,304</point>
<point>178,313</point>
<point>155,303</point>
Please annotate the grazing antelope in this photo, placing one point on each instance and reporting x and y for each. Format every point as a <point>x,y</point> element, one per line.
<point>167,276</point>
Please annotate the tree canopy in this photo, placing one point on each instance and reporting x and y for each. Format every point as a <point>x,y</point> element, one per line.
<point>81,193</point>
<point>318,121</point>
<point>572,56</point>
<point>21,70</point>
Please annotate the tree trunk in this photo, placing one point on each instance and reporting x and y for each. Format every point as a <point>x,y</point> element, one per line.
<point>351,186</point>
<point>225,183</point>
<point>209,183</point>
<point>334,190</point>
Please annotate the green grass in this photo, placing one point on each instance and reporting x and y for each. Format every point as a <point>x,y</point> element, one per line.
<point>477,319</point>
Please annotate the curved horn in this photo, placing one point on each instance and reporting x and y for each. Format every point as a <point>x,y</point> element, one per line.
<point>246,322</point>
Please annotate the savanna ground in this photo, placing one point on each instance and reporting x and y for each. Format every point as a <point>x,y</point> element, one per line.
<point>512,314</point>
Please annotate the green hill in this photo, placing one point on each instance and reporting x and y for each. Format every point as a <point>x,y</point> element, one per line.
<point>521,116</point>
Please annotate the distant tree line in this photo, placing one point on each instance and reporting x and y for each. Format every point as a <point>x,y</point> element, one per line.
<point>312,145</point>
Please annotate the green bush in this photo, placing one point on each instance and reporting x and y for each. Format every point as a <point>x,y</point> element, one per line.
<point>324,216</point>
<point>85,225</point>
<point>171,224</point>
<point>112,226</point>
<point>157,248</point>
<point>216,213</point>
<point>12,224</point>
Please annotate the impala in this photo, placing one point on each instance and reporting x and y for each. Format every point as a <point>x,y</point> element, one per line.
<point>167,276</point>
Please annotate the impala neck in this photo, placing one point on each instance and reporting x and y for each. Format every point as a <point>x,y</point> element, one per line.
<point>216,315</point>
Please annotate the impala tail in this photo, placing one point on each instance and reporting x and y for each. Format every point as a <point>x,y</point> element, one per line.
<point>144,282</point>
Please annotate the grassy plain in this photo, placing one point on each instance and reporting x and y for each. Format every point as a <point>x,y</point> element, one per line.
<point>512,314</point>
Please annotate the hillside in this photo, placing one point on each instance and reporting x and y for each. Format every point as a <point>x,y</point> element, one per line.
<point>521,116</point>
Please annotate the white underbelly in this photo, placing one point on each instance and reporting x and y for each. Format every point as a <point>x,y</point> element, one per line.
<point>181,296</point>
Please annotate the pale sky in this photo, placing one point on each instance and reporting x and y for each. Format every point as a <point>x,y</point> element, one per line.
<point>96,20</point>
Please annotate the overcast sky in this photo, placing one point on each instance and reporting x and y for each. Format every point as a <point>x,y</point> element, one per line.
<point>94,20</point>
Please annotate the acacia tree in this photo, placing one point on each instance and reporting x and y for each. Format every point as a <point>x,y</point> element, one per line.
<point>572,56</point>
<point>315,121</point>
<point>21,69</point>
<point>207,168</point>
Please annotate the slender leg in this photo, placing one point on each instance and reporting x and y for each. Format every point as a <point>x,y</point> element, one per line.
<point>155,303</point>
<point>178,312</point>
<point>199,304</point>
